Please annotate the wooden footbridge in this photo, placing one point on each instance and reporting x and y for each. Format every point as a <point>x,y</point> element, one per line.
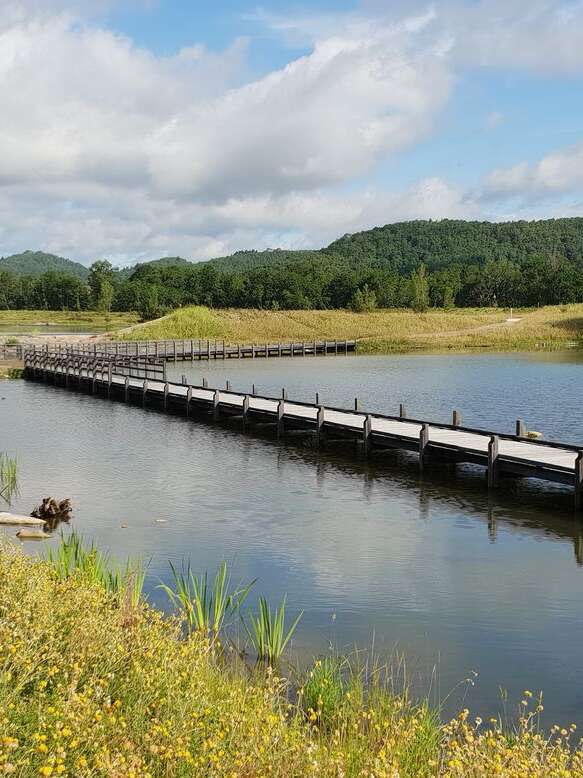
<point>144,381</point>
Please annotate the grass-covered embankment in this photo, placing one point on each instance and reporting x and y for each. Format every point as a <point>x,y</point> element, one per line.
<point>70,318</point>
<point>93,684</point>
<point>380,331</point>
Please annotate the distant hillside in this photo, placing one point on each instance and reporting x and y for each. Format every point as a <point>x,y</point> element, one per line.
<point>402,246</point>
<point>35,263</point>
<point>243,261</point>
<point>128,272</point>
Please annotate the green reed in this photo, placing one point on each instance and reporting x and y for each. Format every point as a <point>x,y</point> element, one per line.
<point>267,630</point>
<point>205,608</point>
<point>8,478</point>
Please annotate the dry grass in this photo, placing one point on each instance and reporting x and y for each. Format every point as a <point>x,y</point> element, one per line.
<point>380,331</point>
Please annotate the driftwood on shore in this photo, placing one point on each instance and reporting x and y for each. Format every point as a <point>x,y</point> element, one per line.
<point>14,519</point>
<point>32,534</point>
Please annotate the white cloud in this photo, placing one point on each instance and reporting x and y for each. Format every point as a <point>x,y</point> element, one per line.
<point>557,173</point>
<point>95,128</point>
<point>108,149</point>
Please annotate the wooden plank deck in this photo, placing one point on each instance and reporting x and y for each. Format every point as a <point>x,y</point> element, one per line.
<point>434,442</point>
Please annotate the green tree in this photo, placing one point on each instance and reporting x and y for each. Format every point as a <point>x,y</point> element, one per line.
<point>100,272</point>
<point>364,300</point>
<point>419,289</point>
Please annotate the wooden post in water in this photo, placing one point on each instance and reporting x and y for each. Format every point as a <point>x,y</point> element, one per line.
<point>457,419</point>
<point>283,394</point>
<point>188,400</point>
<point>205,383</point>
<point>216,405</point>
<point>493,462</point>
<point>280,422</point>
<point>184,381</point>
<point>366,433</point>
<point>245,410</point>
<point>356,403</point>
<point>520,429</point>
<point>144,391</point>
<point>228,385</point>
<point>402,411</point>
<point>253,390</point>
<point>166,391</point>
<point>320,424</point>
<point>423,441</point>
<point>317,398</point>
<point>579,481</point>
<point>126,388</point>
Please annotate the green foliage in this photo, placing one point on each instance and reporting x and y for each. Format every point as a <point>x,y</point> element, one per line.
<point>364,300</point>
<point>205,609</point>
<point>73,557</point>
<point>267,631</point>
<point>419,290</point>
<point>8,477</point>
<point>323,691</point>
<point>520,264</point>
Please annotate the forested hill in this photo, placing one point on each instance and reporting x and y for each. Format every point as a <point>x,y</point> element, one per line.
<point>439,244</point>
<point>244,261</point>
<point>35,263</point>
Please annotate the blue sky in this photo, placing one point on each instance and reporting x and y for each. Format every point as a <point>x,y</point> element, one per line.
<point>139,128</point>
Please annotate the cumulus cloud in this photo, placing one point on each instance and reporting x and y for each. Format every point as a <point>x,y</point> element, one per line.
<point>557,173</point>
<point>109,149</point>
<point>89,120</point>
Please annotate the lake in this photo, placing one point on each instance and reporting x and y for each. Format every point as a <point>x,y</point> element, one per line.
<point>464,584</point>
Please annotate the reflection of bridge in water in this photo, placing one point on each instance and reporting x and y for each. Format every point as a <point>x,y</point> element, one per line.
<point>143,379</point>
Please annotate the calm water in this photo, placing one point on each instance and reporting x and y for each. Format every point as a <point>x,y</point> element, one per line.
<point>49,329</point>
<point>458,581</point>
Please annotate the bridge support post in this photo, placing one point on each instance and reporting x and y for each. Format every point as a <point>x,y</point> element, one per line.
<point>126,389</point>
<point>423,441</point>
<point>579,481</point>
<point>520,429</point>
<point>402,411</point>
<point>493,462</point>
<point>144,392</point>
<point>280,422</point>
<point>216,405</point>
<point>245,410</point>
<point>166,391</point>
<point>366,433</point>
<point>188,400</point>
<point>320,425</point>
<point>456,419</point>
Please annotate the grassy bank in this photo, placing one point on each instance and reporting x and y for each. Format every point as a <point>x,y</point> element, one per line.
<point>81,318</point>
<point>94,684</point>
<point>379,331</point>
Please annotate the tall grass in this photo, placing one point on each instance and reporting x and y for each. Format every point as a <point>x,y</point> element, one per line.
<point>268,632</point>
<point>8,478</point>
<point>205,608</point>
<point>72,556</point>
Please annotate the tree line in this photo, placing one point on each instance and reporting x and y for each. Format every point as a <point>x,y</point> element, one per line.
<point>152,291</point>
<point>415,264</point>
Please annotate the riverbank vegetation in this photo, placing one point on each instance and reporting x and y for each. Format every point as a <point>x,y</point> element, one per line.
<point>417,265</point>
<point>89,318</point>
<point>97,684</point>
<point>379,331</point>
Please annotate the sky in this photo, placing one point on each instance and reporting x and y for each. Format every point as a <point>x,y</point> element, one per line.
<point>135,129</point>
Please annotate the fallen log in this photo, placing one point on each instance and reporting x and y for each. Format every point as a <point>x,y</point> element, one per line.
<point>14,519</point>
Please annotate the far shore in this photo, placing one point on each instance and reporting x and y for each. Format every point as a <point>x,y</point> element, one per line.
<point>377,332</point>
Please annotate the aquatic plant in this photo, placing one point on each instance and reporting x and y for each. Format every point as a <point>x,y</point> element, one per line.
<point>205,609</point>
<point>72,556</point>
<point>8,478</point>
<point>323,691</point>
<point>267,630</point>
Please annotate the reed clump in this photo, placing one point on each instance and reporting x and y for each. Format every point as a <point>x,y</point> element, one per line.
<point>87,691</point>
